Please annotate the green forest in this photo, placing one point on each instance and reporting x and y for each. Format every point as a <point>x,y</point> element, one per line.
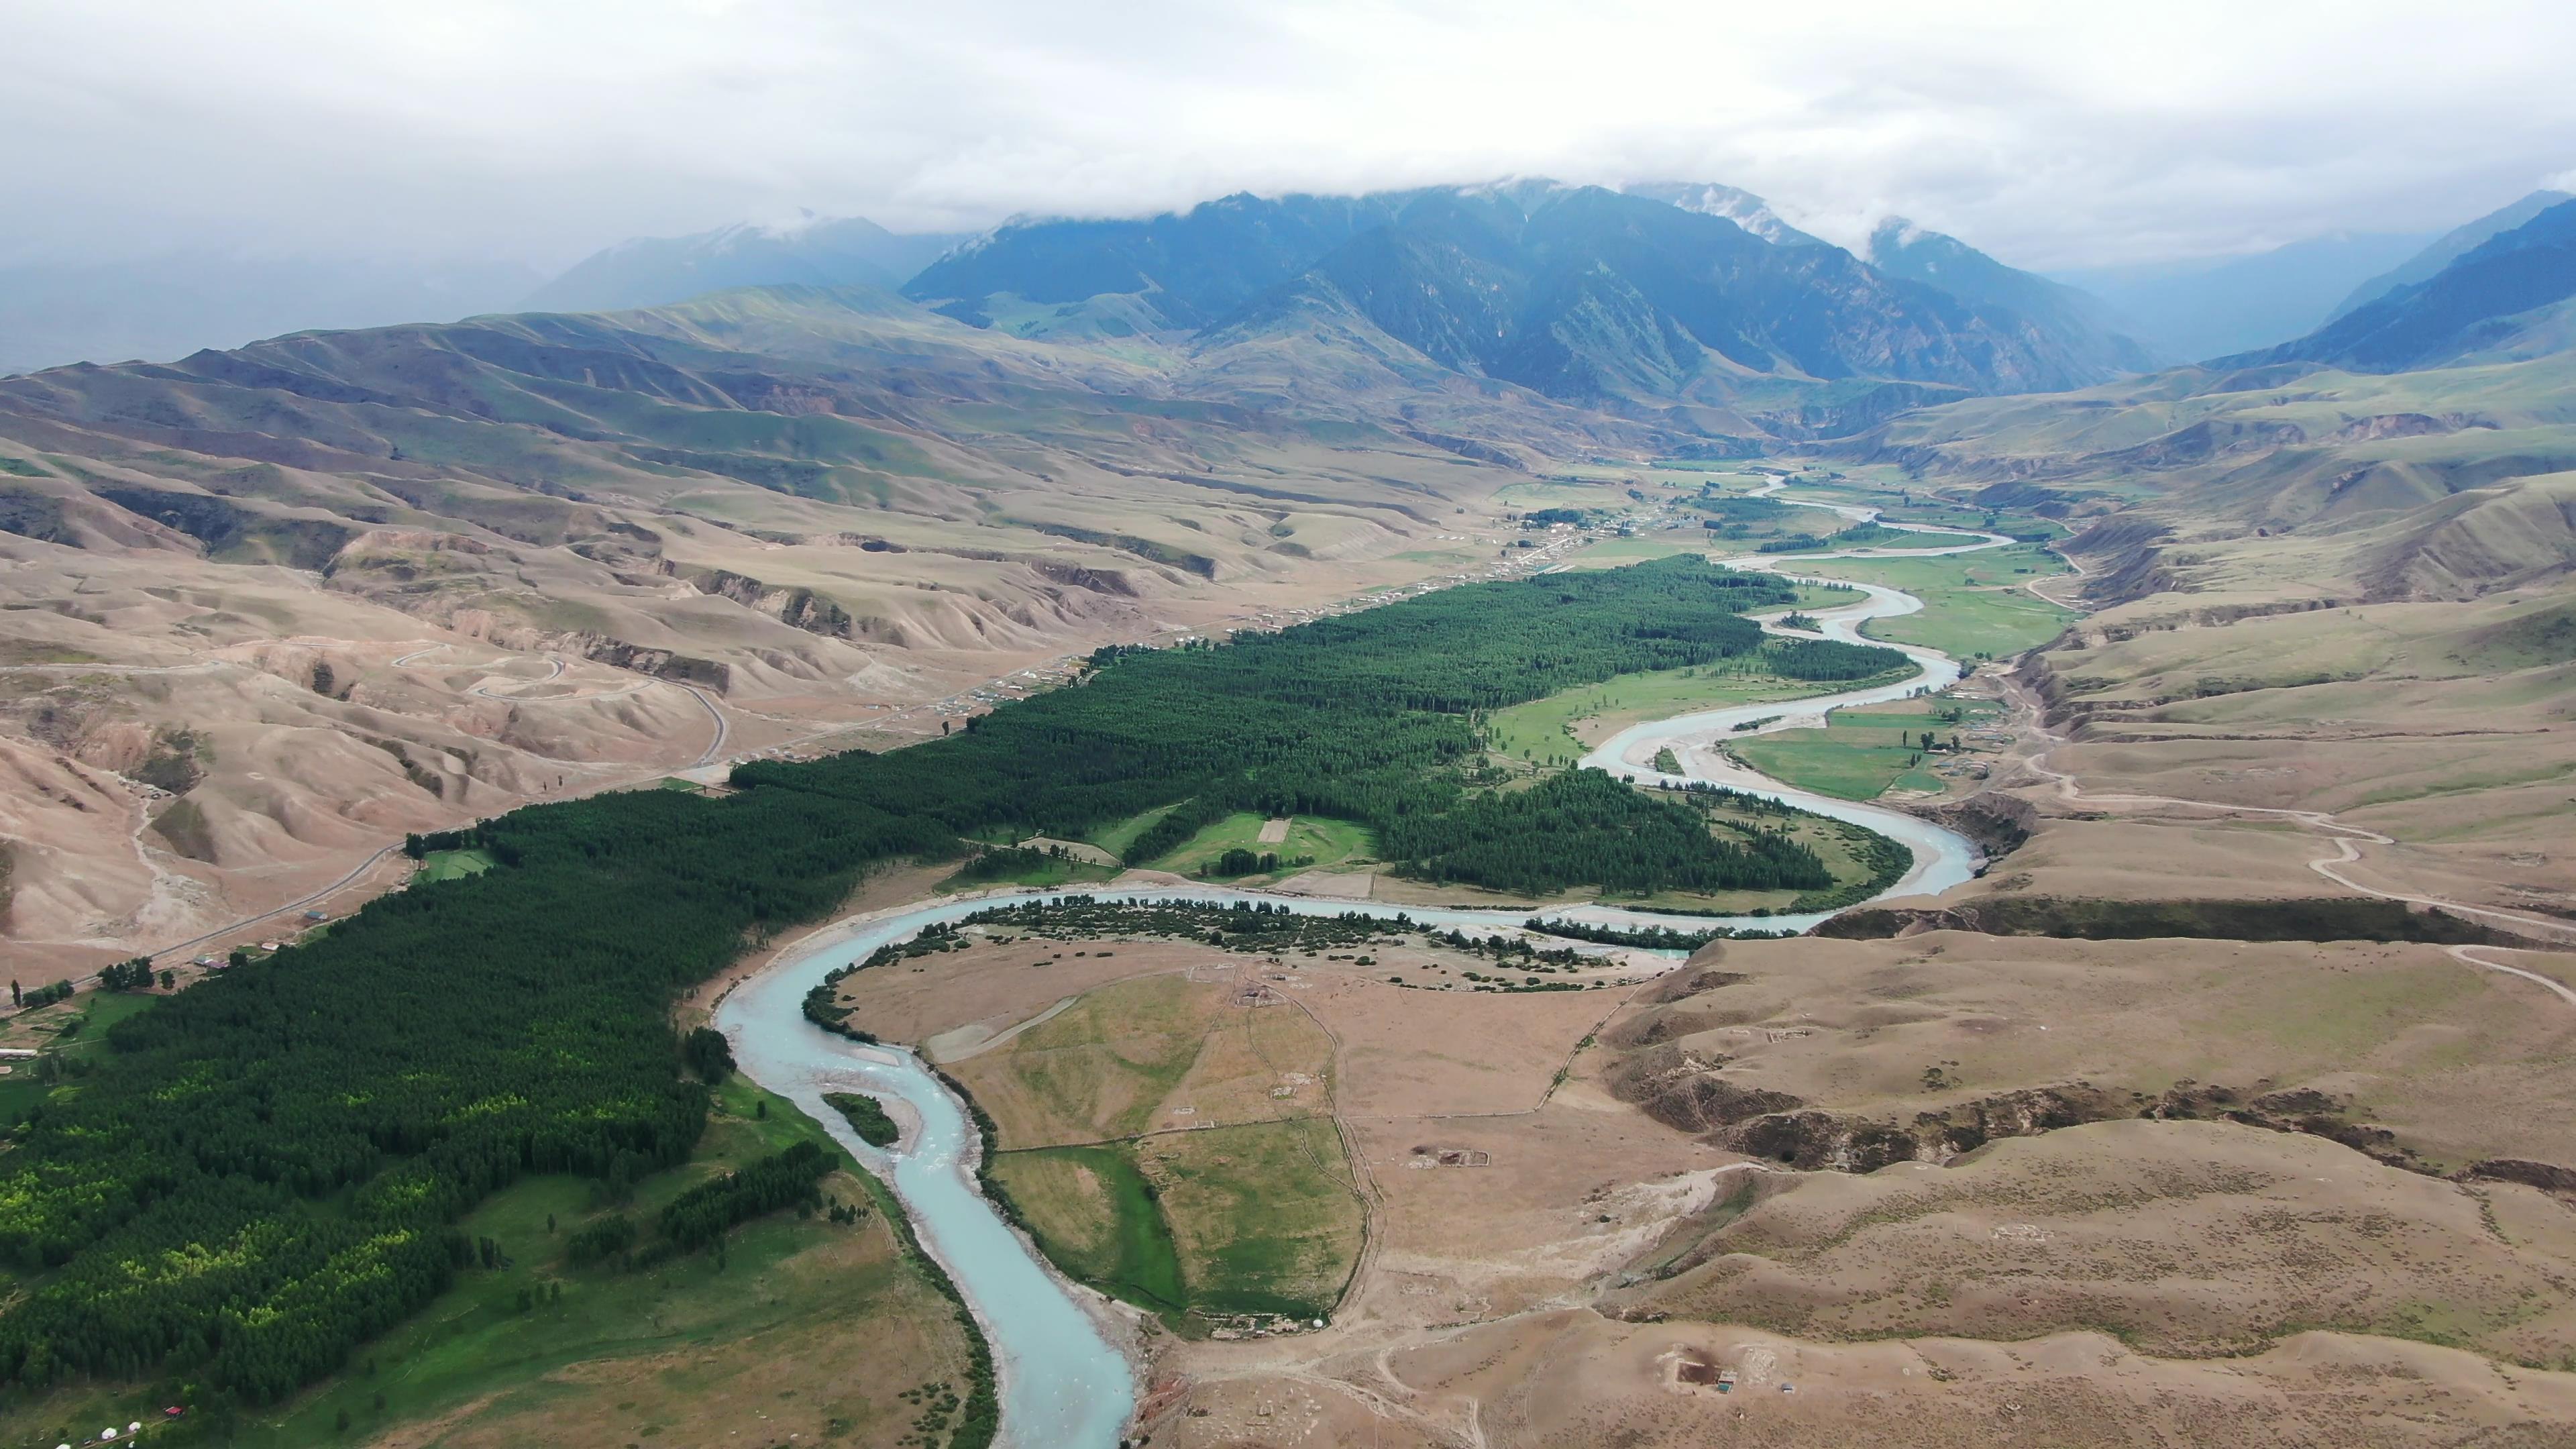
<point>265,1171</point>
<point>1373,717</point>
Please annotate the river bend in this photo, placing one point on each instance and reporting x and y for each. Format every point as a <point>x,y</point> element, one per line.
<point>1063,1383</point>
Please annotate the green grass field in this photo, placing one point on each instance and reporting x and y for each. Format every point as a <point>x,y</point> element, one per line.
<point>1259,1219</point>
<point>1850,764</point>
<point>1861,754</point>
<point>1094,1216</point>
<point>453,864</point>
<point>1329,842</point>
<point>1118,837</point>
<point>1264,1215</point>
<point>1973,604</point>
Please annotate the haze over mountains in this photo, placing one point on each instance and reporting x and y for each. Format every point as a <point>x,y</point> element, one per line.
<point>2504,298</point>
<point>817,252</point>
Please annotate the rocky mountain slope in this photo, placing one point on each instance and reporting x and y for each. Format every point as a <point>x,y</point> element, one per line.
<point>2087,325</point>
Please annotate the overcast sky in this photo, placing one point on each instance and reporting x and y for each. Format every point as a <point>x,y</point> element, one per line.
<point>2050,134</point>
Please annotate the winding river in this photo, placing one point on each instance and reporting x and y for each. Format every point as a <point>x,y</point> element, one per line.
<point>1063,1383</point>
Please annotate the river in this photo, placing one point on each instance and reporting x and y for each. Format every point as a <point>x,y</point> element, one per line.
<point>1064,1384</point>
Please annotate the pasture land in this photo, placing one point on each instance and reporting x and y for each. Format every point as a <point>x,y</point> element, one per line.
<point>1313,843</point>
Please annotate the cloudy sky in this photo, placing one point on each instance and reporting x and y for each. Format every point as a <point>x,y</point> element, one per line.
<point>2050,134</point>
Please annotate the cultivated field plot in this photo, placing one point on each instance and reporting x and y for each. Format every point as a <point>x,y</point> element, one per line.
<point>1160,1139</point>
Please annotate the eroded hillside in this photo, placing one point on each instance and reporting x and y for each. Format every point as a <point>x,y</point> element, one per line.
<point>269,609</point>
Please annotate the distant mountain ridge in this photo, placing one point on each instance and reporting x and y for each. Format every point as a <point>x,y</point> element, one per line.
<point>2088,324</point>
<point>1734,203</point>
<point>1577,292</point>
<point>2509,295</point>
<point>2452,245</point>
<point>661,271</point>
<point>2211,308</point>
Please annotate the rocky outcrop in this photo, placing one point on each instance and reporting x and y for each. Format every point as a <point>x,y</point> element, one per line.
<point>1998,823</point>
<point>1815,1140</point>
<point>1828,1141</point>
<point>1687,1094</point>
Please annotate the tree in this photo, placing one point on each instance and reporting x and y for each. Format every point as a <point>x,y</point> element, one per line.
<point>708,1054</point>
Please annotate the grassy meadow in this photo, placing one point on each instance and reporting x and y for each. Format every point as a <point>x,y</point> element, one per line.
<point>1142,1146</point>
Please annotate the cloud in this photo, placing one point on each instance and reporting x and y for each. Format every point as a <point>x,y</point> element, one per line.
<point>2050,134</point>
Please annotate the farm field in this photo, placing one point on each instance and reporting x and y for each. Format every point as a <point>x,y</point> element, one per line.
<point>1162,1142</point>
<point>1151,1053</point>
<point>1246,1222</point>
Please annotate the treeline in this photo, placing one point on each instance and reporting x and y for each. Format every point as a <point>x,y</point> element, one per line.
<point>1583,827</point>
<point>711,1209</point>
<point>1832,659</point>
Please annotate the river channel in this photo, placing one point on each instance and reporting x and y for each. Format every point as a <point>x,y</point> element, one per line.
<point>1063,1383</point>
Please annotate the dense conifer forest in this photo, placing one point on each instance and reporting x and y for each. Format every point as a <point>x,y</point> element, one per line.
<point>266,1169</point>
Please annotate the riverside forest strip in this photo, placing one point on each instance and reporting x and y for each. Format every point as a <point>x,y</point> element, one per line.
<point>266,1171</point>
<point>1376,717</point>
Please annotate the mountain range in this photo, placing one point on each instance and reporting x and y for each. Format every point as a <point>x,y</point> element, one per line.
<point>1625,301</point>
